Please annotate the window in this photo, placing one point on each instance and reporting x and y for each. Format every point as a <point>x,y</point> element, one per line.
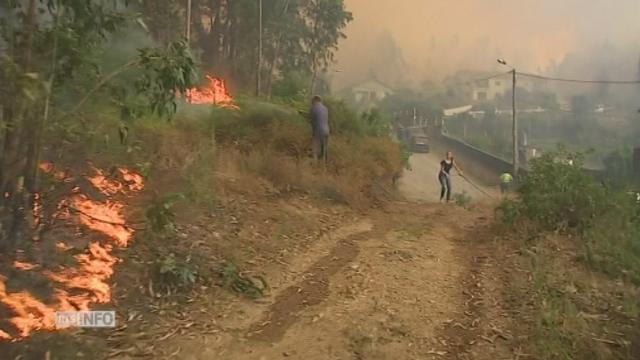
<point>481,95</point>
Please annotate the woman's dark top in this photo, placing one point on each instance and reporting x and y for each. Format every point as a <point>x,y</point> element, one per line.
<point>446,166</point>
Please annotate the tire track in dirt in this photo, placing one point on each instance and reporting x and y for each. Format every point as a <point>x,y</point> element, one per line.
<point>312,290</point>
<point>478,334</point>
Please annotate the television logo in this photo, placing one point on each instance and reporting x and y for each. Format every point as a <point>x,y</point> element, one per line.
<point>85,319</point>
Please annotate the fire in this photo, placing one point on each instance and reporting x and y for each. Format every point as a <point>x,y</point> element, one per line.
<point>31,313</point>
<point>62,246</point>
<point>134,180</point>
<point>37,209</point>
<point>48,168</point>
<point>95,268</point>
<point>77,287</point>
<point>21,265</point>
<point>103,217</point>
<point>215,93</point>
<point>105,185</point>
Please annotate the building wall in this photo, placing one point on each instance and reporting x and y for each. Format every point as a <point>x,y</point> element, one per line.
<point>370,92</point>
<point>488,90</point>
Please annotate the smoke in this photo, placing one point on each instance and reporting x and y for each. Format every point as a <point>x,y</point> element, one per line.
<point>408,42</point>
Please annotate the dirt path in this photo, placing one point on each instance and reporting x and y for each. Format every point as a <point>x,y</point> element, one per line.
<point>403,283</point>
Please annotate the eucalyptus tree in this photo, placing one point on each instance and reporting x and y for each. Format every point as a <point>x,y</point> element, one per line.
<point>45,45</point>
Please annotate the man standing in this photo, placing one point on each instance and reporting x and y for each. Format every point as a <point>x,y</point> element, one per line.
<point>505,182</point>
<point>320,125</point>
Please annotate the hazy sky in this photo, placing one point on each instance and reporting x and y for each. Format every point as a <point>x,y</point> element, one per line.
<point>438,37</point>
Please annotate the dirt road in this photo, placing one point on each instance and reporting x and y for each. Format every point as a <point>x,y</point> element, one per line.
<point>403,283</point>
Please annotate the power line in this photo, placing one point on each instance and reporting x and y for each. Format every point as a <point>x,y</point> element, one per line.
<point>613,82</point>
<point>476,80</point>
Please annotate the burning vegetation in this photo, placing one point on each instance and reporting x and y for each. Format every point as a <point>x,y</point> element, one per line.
<point>215,93</point>
<point>76,285</point>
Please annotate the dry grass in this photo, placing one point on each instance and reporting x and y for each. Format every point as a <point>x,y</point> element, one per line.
<point>565,309</point>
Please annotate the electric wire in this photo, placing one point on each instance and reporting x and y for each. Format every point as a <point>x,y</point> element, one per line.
<point>581,81</point>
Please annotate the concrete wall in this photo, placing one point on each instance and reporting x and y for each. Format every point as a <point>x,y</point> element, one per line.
<point>482,166</point>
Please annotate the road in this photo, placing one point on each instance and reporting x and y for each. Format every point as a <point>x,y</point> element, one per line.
<point>421,183</point>
<point>403,282</point>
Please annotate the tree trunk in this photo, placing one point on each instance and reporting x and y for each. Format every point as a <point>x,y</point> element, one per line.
<point>272,67</point>
<point>35,147</point>
<point>17,140</point>
<point>276,53</point>
<point>314,77</point>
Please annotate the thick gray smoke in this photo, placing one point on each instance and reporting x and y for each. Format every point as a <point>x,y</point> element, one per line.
<point>407,42</point>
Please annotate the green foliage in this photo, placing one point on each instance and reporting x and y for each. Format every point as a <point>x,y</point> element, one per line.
<point>176,273</point>
<point>298,36</point>
<point>407,99</point>
<point>561,196</point>
<point>612,239</point>
<point>165,72</point>
<point>51,69</point>
<point>272,135</point>
<point>291,85</point>
<point>343,119</point>
<point>462,199</point>
<point>376,123</point>
<point>160,215</point>
<point>508,212</point>
<point>619,167</point>
<point>233,280</point>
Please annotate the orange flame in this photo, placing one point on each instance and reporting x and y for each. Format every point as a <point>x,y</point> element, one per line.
<point>20,265</point>
<point>31,313</point>
<point>134,180</point>
<point>214,93</point>
<point>103,217</point>
<point>105,185</point>
<point>89,279</point>
<point>37,209</point>
<point>62,246</point>
<point>48,168</point>
<point>95,268</point>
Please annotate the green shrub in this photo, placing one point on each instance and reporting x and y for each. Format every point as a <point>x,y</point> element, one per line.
<point>462,199</point>
<point>176,273</point>
<point>560,195</point>
<point>508,212</point>
<point>232,279</point>
<point>160,215</point>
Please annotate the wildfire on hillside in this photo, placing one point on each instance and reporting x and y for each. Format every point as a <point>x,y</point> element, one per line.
<point>76,287</point>
<point>215,93</point>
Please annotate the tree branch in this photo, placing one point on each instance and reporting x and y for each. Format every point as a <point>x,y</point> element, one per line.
<point>102,83</point>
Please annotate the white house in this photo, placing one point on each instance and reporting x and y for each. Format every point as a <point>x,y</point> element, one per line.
<point>368,92</point>
<point>488,90</point>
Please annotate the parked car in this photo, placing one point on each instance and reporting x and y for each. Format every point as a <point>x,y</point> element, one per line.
<point>420,144</point>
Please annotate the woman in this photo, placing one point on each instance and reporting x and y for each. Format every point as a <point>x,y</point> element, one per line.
<point>445,175</point>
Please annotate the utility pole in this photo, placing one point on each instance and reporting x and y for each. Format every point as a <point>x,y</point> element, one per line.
<point>259,84</point>
<point>188,30</point>
<point>514,127</point>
